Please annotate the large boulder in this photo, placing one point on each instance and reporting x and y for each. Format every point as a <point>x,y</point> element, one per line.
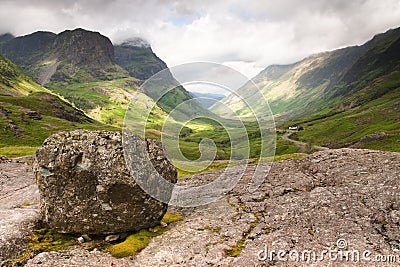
<point>86,187</point>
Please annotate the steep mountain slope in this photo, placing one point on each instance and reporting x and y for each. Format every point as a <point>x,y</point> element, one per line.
<point>137,57</point>
<point>374,124</point>
<point>14,82</point>
<point>29,113</point>
<point>347,97</point>
<point>6,37</point>
<point>71,56</point>
<point>340,79</point>
<point>73,59</point>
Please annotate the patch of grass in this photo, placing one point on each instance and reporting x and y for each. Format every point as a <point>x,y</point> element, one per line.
<point>289,156</point>
<point>27,204</point>
<point>134,243</point>
<point>171,217</point>
<point>44,240</point>
<point>284,147</point>
<point>217,229</point>
<point>216,165</point>
<point>235,251</point>
<point>269,229</point>
<point>17,151</point>
<point>241,244</point>
<point>392,143</point>
<point>24,257</point>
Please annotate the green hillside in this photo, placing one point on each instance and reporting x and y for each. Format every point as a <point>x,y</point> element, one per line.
<point>72,62</point>
<point>373,125</point>
<point>340,97</point>
<point>29,113</point>
<point>14,82</point>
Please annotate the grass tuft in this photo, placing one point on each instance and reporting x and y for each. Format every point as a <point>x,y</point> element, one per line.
<point>171,217</point>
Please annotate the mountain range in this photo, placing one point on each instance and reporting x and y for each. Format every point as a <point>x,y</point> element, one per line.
<point>86,72</point>
<point>72,62</point>
<point>338,97</point>
<point>79,79</point>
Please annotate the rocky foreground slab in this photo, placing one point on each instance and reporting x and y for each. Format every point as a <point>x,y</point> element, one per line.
<point>334,203</point>
<point>19,205</point>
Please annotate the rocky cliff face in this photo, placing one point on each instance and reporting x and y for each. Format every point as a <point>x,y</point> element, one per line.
<point>137,57</point>
<point>83,47</point>
<point>83,55</point>
<point>77,55</point>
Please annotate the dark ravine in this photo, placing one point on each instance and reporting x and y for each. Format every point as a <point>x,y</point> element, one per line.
<point>303,204</point>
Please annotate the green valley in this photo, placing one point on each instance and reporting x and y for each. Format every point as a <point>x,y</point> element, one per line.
<point>346,97</point>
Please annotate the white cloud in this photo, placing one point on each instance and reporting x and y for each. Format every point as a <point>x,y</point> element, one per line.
<point>246,35</point>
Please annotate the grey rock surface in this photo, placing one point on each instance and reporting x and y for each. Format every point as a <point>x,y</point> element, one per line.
<point>86,187</point>
<point>78,257</point>
<point>303,204</point>
<point>19,205</point>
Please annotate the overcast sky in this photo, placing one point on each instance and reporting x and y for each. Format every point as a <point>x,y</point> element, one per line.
<point>246,35</point>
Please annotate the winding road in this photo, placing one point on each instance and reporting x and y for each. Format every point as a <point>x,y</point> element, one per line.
<point>300,144</point>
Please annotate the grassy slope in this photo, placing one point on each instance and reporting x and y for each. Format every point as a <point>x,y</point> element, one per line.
<point>106,101</point>
<point>14,82</point>
<point>21,132</point>
<point>339,97</point>
<point>281,86</point>
<point>348,127</point>
<point>55,116</point>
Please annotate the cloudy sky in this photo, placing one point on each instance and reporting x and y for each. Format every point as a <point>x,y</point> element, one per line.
<point>246,35</point>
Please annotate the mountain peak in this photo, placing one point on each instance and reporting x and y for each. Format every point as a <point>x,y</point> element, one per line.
<point>136,42</point>
<point>71,55</point>
<point>6,37</point>
<point>78,31</point>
